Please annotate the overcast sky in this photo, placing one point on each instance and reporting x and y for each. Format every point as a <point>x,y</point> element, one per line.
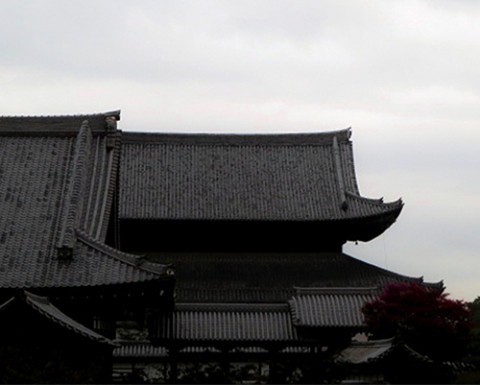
<point>403,74</point>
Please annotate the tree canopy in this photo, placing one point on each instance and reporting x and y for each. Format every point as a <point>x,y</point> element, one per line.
<point>422,317</point>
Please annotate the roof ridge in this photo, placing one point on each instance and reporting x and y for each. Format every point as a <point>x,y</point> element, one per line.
<point>35,301</point>
<point>75,187</point>
<point>237,139</point>
<point>300,291</point>
<point>6,303</point>
<point>398,275</point>
<point>57,124</point>
<point>129,259</point>
<point>232,307</point>
<point>381,341</point>
<point>115,113</point>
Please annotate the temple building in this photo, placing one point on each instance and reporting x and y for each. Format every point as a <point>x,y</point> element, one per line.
<point>225,249</point>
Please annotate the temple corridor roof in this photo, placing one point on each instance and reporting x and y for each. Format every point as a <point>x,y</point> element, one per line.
<point>228,322</point>
<point>330,307</point>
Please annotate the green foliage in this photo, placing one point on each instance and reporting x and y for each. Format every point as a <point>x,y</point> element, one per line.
<point>424,318</point>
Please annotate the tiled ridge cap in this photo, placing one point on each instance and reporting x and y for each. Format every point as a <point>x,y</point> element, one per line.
<point>129,259</point>
<point>6,303</point>
<point>339,174</point>
<point>105,175</point>
<point>401,277</point>
<point>290,139</point>
<point>74,192</point>
<point>57,124</point>
<point>389,345</point>
<point>232,307</point>
<point>62,319</point>
<point>337,290</point>
<point>114,162</point>
<point>389,273</point>
<point>379,342</point>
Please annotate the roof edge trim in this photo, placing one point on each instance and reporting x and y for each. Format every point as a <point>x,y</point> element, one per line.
<point>56,124</point>
<point>129,259</point>
<point>290,139</point>
<point>51,312</point>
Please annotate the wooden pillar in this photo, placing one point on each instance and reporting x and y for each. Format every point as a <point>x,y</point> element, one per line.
<point>173,356</point>
<point>273,367</point>
<point>225,361</point>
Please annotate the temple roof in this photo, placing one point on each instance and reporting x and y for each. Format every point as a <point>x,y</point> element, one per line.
<point>228,322</point>
<point>367,352</point>
<point>331,307</point>
<point>44,307</point>
<point>289,177</point>
<point>57,182</point>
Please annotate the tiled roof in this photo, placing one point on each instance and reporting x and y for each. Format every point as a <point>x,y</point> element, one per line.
<point>43,306</point>
<point>292,177</point>
<point>268,277</point>
<point>138,350</point>
<point>145,350</point>
<point>331,307</point>
<point>92,264</point>
<point>375,351</point>
<point>246,323</point>
<point>57,181</point>
<point>56,125</point>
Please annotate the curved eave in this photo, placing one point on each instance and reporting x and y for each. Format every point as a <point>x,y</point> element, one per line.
<point>45,307</point>
<point>368,218</point>
<point>134,261</point>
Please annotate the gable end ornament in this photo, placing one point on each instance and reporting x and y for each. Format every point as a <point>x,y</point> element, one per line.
<point>111,129</point>
<point>64,253</point>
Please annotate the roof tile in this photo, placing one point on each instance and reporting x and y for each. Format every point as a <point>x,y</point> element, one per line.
<point>52,192</point>
<point>291,177</point>
<point>331,307</point>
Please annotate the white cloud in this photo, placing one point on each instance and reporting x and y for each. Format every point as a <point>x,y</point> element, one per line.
<point>404,74</point>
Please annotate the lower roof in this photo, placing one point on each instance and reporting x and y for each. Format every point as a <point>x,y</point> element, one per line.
<point>92,264</point>
<point>268,277</point>
<point>331,307</point>
<point>228,323</point>
<point>374,351</point>
<point>45,308</point>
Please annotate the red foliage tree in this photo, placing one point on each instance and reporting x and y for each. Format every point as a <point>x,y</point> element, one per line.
<point>422,317</point>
